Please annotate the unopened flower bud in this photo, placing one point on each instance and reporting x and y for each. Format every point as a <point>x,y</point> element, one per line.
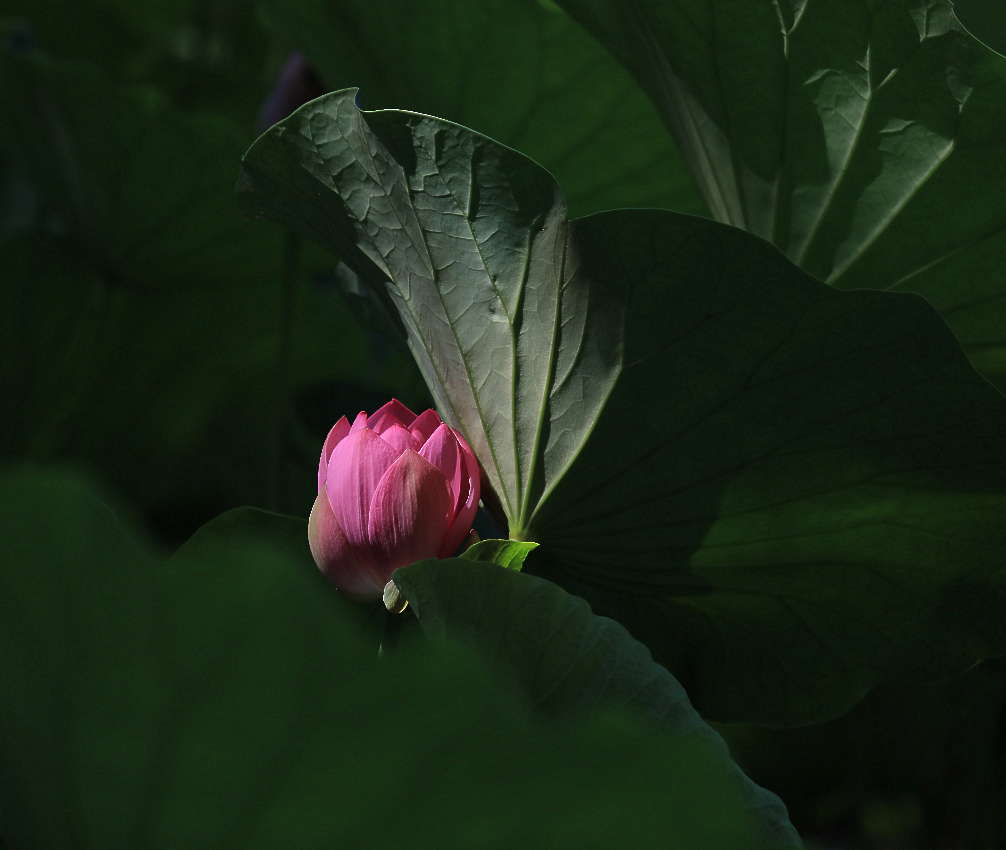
<point>393,488</point>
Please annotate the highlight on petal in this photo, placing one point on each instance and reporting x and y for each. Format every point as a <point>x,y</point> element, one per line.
<point>354,470</point>
<point>391,413</point>
<point>409,512</point>
<point>426,423</point>
<point>335,557</point>
<point>442,450</point>
<point>399,438</point>
<point>339,430</point>
<point>471,486</point>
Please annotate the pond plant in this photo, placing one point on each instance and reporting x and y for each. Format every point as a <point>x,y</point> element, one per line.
<point>698,540</point>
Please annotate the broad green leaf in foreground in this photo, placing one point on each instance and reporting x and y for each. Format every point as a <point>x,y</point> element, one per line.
<point>522,72</point>
<point>788,492</point>
<point>564,657</point>
<point>863,137</point>
<point>221,699</point>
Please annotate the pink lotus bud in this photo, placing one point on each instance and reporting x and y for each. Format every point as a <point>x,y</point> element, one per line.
<point>393,488</point>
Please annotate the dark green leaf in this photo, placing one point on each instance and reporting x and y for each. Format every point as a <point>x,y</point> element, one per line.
<point>985,20</point>
<point>521,72</point>
<point>137,187</point>
<point>287,533</point>
<point>566,659</point>
<point>220,699</point>
<point>787,491</point>
<point>863,137</point>
<point>210,55</point>
<point>507,553</point>
<point>793,491</point>
<point>148,330</point>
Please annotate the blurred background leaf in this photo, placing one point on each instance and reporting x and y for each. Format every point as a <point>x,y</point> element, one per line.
<point>914,765</point>
<point>199,54</point>
<point>150,332</point>
<point>518,70</point>
<point>222,698</point>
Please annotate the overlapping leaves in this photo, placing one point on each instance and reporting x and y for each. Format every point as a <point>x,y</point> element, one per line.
<point>522,72</point>
<point>774,484</point>
<point>863,137</point>
<point>221,698</point>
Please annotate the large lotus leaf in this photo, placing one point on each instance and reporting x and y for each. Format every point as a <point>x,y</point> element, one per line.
<point>793,491</point>
<point>477,264</point>
<point>776,485</point>
<point>863,137</point>
<point>522,72</point>
<point>221,698</point>
<point>563,657</point>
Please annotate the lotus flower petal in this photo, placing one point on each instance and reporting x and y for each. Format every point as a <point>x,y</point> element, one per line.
<point>409,512</point>
<point>339,430</point>
<point>392,413</point>
<point>442,450</point>
<point>399,438</point>
<point>465,512</point>
<point>355,468</point>
<point>425,424</point>
<point>335,557</point>
<point>393,488</point>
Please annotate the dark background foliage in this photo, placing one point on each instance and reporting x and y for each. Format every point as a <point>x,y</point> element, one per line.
<point>191,359</point>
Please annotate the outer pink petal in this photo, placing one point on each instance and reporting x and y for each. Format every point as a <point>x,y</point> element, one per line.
<point>471,486</point>
<point>391,413</point>
<point>409,513</point>
<point>354,469</point>
<point>339,430</point>
<point>441,449</point>
<point>399,438</point>
<point>334,556</point>
<point>360,422</point>
<point>426,423</point>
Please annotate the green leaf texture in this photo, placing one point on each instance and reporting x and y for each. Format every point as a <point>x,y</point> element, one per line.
<point>776,485</point>
<point>522,72</point>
